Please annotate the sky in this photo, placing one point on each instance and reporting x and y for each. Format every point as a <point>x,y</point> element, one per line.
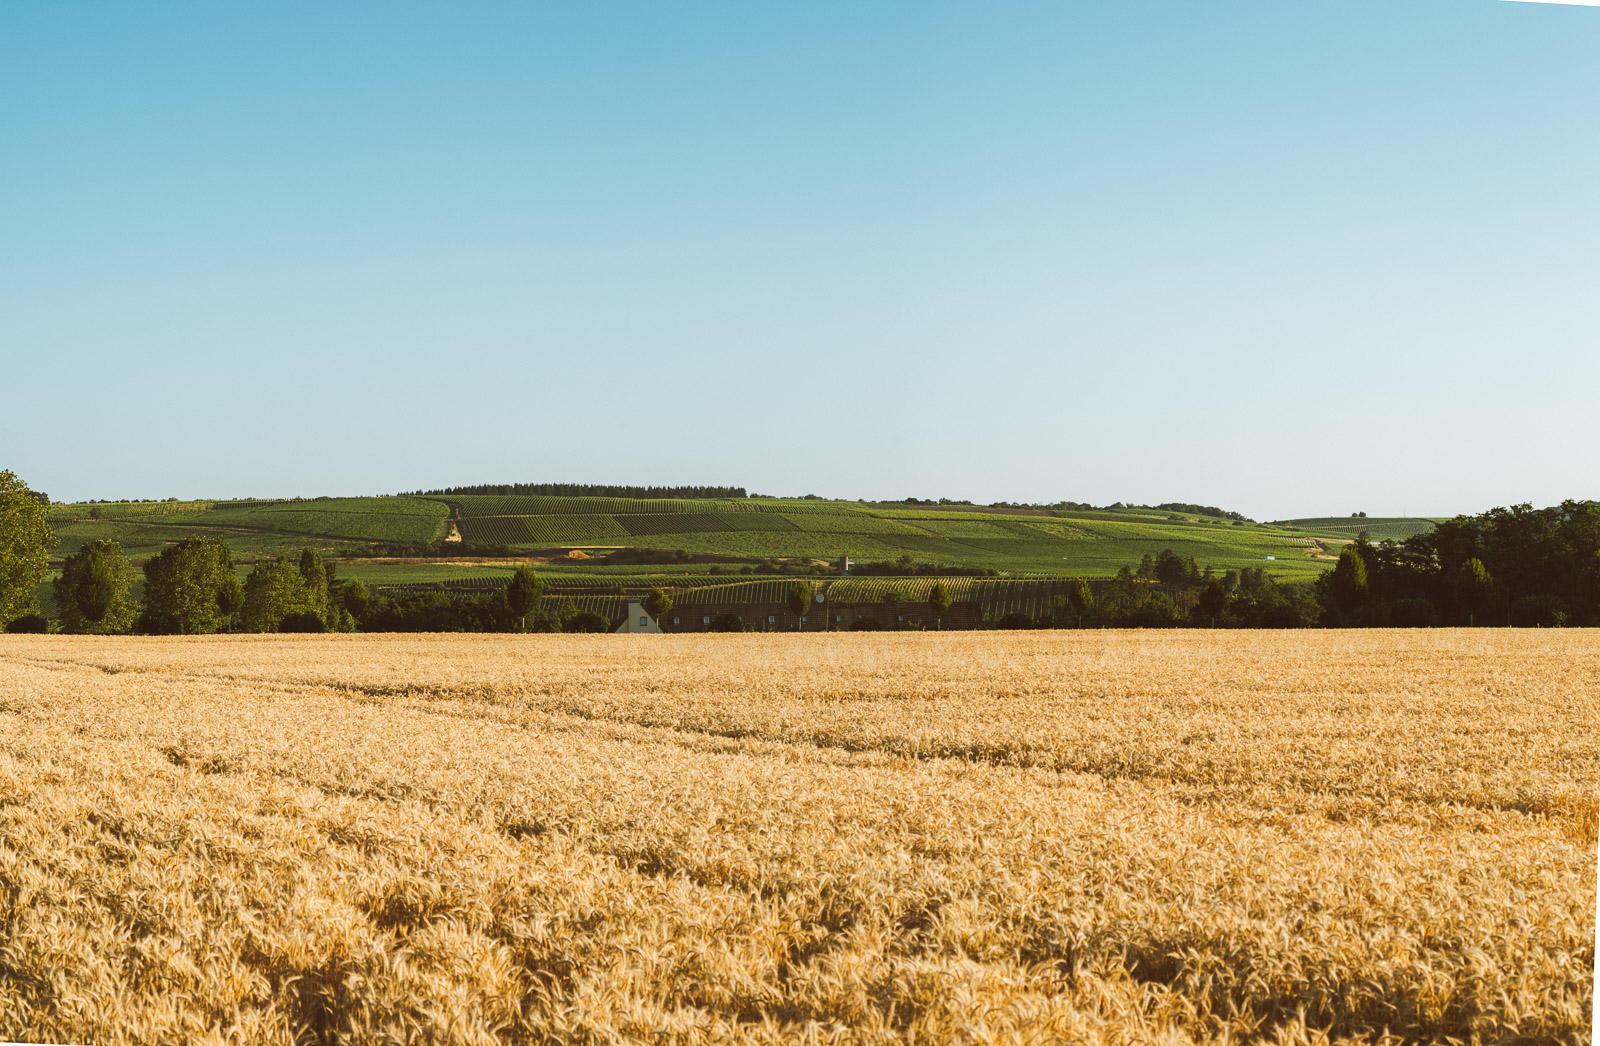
<point>1291,259</point>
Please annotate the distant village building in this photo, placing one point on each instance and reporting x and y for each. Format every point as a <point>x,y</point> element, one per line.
<point>845,564</point>
<point>638,620</point>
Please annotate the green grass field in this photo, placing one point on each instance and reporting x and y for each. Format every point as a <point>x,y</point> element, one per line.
<point>1015,542</point>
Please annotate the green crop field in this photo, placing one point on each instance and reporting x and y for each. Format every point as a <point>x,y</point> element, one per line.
<point>543,531</point>
<point>701,523</point>
<point>844,523</point>
<point>381,574</point>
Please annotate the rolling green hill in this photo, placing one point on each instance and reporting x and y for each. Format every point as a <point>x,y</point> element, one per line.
<point>1378,528</point>
<point>1015,542</point>
<point>252,529</point>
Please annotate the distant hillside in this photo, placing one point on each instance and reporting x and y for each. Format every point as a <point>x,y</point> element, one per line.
<point>1347,528</point>
<point>582,490</point>
<point>1013,540</point>
<point>254,528</point>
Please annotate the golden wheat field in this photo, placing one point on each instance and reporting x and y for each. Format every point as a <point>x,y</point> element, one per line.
<point>1120,837</point>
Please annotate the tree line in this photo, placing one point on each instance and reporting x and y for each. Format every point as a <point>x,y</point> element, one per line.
<point>1169,590</point>
<point>1517,566</point>
<point>192,588</point>
<point>1084,506</point>
<point>1508,567</point>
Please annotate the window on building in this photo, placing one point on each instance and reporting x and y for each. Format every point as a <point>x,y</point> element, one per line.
<point>705,621</point>
<point>674,621</point>
<point>772,619</point>
<point>644,621</point>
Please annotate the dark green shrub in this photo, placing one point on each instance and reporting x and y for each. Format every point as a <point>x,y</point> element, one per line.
<point>155,623</point>
<point>1014,620</point>
<point>1374,614</point>
<point>1538,612</point>
<point>1414,612</point>
<point>586,621</point>
<point>866,623</point>
<point>1158,612</point>
<point>302,621</point>
<point>1280,615</point>
<point>727,623</point>
<point>29,624</point>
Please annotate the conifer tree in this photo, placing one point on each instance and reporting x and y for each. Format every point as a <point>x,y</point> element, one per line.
<point>1348,582</point>
<point>800,601</point>
<point>92,591</point>
<point>939,602</point>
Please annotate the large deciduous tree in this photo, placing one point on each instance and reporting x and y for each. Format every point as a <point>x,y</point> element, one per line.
<point>1081,597</point>
<point>275,590</point>
<point>25,543</point>
<point>182,584</point>
<point>524,592</point>
<point>92,591</point>
<point>1176,571</point>
<point>1211,601</point>
<point>657,604</point>
<point>315,576</point>
<point>354,596</point>
<point>230,599</point>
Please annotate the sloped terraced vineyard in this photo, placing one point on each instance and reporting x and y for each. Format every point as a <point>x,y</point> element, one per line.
<point>1116,837</point>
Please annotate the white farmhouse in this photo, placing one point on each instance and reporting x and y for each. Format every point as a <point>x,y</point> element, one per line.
<point>637,620</point>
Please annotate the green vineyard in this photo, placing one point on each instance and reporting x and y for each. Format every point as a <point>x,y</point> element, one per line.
<point>543,531</point>
<point>701,523</point>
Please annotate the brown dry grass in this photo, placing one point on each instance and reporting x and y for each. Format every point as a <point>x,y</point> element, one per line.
<point>991,837</point>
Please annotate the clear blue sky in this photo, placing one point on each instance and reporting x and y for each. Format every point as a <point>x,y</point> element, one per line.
<point>1289,258</point>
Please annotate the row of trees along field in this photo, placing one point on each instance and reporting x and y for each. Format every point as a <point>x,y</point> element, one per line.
<point>1518,566</point>
<point>1181,595</point>
<point>192,588</point>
